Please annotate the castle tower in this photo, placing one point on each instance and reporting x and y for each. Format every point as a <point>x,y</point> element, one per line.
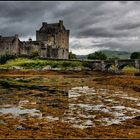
<point>56,37</point>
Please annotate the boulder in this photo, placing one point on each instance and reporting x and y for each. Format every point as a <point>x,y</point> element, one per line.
<point>15,68</point>
<point>4,69</point>
<point>77,69</point>
<point>86,68</point>
<point>48,67</point>
<point>56,69</point>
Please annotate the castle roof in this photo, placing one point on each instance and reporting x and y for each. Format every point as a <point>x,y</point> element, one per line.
<point>53,27</point>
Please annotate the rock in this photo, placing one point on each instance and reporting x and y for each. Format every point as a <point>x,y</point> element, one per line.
<point>16,79</point>
<point>86,68</point>
<point>136,88</point>
<point>36,128</point>
<point>48,67</point>
<point>56,69</point>
<point>77,69</point>
<point>2,122</point>
<point>137,74</point>
<point>137,118</point>
<point>37,69</point>
<point>4,69</point>
<point>15,68</point>
<point>70,69</point>
<point>20,127</point>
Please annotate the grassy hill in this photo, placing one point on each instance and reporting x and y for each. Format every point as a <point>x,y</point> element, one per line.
<point>119,54</point>
<point>110,54</point>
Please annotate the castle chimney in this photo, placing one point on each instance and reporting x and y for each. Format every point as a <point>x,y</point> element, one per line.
<point>61,22</point>
<point>30,39</point>
<point>16,35</point>
<point>44,23</point>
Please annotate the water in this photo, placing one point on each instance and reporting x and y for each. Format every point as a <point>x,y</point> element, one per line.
<point>16,111</point>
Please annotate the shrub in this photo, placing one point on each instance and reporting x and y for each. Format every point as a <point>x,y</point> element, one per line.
<point>85,64</point>
<point>66,64</point>
<point>6,57</point>
<point>34,54</point>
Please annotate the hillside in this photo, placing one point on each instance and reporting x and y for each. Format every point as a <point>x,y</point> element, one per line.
<point>110,54</point>
<point>119,54</point>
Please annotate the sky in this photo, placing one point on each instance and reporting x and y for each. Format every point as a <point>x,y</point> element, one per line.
<point>93,25</point>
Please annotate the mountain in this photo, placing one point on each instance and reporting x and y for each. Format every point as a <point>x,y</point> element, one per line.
<point>119,54</point>
<point>110,54</point>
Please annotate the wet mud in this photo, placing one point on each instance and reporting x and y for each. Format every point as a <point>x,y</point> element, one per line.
<point>69,105</point>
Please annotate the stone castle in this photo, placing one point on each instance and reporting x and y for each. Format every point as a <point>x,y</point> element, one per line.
<point>52,42</point>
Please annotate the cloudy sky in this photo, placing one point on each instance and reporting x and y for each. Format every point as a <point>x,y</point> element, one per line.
<point>94,25</point>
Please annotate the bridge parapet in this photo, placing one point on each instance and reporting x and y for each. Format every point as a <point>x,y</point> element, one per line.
<point>104,65</point>
<point>137,66</point>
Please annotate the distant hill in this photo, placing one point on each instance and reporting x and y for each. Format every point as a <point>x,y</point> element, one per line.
<point>110,54</point>
<point>119,54</point>
<point>81,56</point>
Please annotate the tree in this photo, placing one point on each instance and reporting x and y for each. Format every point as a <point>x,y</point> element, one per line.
<point>72,55</point>
<point>135,55</point>
<point>6,57</point>
<point>97,56</point>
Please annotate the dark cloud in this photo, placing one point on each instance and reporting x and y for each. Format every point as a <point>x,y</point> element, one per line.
<point>95,20</point>
<point>100,32</point>
<point>128,26</point>
<point>23,17</point>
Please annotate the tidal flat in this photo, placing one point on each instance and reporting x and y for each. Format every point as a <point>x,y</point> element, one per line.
<point>60,104</point>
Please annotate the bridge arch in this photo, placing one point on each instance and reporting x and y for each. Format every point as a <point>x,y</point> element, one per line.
<point>108,66</point>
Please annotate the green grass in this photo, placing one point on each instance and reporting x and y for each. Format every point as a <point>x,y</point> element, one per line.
<point>27,63</point>
<point>129,69</point>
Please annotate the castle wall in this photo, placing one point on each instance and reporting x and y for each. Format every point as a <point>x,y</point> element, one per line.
<point>43,51</point>
<point>9,47</point>
<point>27,48</point>
<point>63,53</point>
<point>62,39</point>
<point>41,36</point>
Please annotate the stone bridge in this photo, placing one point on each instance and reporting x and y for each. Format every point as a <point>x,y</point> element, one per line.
<point>104,65</point>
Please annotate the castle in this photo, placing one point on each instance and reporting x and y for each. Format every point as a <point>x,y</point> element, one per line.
<point>52,41</point>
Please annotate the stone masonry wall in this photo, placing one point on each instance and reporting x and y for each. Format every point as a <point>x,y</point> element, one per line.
<point>10,47</point>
